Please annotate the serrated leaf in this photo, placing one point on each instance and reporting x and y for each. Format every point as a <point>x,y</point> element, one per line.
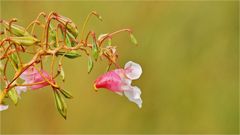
<point>133,39</point>
<point>60,103</point>
<point>90,64</point>
<point>13,95</point>
<point>65,93</point>
<point>73,54</point>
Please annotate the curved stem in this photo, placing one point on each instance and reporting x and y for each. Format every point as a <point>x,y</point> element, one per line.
<point>114,33</point>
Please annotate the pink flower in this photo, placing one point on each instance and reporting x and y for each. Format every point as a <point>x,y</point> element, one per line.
<point>3,107</point>
<point>119,81</point>
<point>31,75</point>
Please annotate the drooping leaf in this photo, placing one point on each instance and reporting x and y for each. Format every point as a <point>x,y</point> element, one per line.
<point>65,93</point>
<point>133,39</point>
<point>72,54</point>
<point>90,64</point>
<point>62,74</point>
<point>109,41</point>
<point>15,59</point>
<point>13,95</point>
<point>95,50</point>
<point>69,39</point>
<point>60,103</point>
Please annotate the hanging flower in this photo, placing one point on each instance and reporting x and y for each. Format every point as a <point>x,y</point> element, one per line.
<point>32,75</point>
<point>119,81</point>
<point>3,107</point>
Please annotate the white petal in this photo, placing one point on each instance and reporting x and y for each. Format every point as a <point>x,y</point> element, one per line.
<point>21,89</point>
<point>3,107</point>
<point>133,70</point>
<point>133,94</point>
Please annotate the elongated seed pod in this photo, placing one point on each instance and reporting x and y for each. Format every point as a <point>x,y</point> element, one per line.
<point>16,29</point>
<point>71,27</point>
<point>25,41</point>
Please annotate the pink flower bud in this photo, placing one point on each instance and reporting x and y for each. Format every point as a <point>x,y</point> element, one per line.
<point>119,81</point>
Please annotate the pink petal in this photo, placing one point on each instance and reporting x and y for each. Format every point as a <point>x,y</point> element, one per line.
<point>31,75</point>
<point>110,80</point>
<point>133,70</point>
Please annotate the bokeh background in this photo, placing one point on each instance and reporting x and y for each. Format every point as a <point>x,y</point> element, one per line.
<point>189,54</point>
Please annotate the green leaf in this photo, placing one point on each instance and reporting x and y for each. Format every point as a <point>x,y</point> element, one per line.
<point>60,103</point>
<point>90,64</point>
<point>15,59</point>
<point>13,95</point>
<point>95,50</point>
<point>109,41</point>
<point>133,39</point>
<point>69,39</point>
<point>71,55</point>
<point>65,93</point>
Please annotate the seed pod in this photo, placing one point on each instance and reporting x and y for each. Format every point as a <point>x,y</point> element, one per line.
<point>71,27</point>
<point>25,41</point>
<point>16,29</point>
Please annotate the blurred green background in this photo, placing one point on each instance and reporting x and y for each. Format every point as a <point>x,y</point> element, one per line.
<point>189,54</point>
